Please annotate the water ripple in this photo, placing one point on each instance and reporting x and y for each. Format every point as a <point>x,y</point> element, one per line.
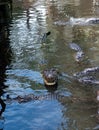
<point>25,73</point>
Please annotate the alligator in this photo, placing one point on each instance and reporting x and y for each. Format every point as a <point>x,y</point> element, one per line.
<point>78,21</point>
<point>84,21</point>
<point>23,99</point>
<point>88,76</point>
<point>79,52</point>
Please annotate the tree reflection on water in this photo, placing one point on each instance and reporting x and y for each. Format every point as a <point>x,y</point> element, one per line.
<point>5,60</point>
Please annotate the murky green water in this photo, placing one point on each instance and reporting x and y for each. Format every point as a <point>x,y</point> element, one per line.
<point>29,57</point>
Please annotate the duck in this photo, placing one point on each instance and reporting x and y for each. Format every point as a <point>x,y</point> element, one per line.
<point>44,37</point>
<point>50,77</point>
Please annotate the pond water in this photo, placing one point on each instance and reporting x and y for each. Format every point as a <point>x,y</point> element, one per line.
<point>24,57</point>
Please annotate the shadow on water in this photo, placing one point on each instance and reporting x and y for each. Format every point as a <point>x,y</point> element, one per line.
<point>5,53</point>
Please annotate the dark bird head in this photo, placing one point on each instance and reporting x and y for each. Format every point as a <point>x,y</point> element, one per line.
<point>48,33</point>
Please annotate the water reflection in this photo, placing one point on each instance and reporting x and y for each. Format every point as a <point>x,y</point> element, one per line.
<point>5,60</point>
<point>5,54</point>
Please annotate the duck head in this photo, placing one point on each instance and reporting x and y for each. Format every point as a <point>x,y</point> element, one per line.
<point>50,77</point>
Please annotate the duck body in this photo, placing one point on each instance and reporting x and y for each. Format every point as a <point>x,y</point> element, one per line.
<point>44,37</point>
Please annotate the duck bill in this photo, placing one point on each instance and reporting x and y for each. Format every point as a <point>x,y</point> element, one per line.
<point>49,83</point>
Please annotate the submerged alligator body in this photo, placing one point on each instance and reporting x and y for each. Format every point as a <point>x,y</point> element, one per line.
<point>84,21</point>
<point>87,71</point>
<point>79,56</point>
<point>78,21</point>
<point>88,76</point>
<point>25,98</point>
